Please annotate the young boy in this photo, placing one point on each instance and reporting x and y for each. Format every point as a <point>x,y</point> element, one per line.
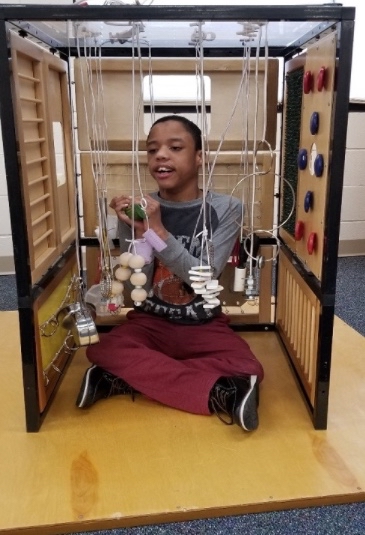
<point>172,348</point>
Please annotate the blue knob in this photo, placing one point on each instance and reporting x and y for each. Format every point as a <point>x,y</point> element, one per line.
<point>319,165</point>
<point>302,159</point>
<point>314,123</point>
<point>308,201</point>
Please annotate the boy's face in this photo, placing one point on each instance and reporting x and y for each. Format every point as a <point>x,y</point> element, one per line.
<point>173,160</point>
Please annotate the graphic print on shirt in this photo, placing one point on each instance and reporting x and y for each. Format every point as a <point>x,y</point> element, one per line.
<point>170,295</point>
<point>187,230</point>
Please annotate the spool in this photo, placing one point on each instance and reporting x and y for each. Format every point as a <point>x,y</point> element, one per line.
<point>239,279</point>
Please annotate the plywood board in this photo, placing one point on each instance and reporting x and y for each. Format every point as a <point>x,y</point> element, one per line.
<point>121,176</point>
<point>100,468</point>
<point>115,99</point>
<point>54,342</point>
<point>62,153</point>
<point>320,55</point>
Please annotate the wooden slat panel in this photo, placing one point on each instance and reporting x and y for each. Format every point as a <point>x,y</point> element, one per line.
<point>298,322</point>
<point>41,96</point>
<point>29,98</point>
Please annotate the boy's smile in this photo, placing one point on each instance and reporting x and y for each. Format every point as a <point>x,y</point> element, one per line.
<point>173,161</point>
<point>164,172</point>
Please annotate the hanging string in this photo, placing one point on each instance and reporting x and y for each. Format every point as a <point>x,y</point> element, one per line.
<point>88,129</point>
<point>150,83</point>
<point>140,108</point>
<point>245,123</point>
<point>97,131</point>
<point>254,177</point>
<point>245,75</point>
<point>201,105</point>
<point>133,123</point>
<point>76,196</point>
<point>136,116</point>
<point>201,86</point>
<point>102,152</point>
<point>264,126</point>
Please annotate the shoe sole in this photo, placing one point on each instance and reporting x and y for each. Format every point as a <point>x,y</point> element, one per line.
<point>247,413</point>
<point>81,398</point>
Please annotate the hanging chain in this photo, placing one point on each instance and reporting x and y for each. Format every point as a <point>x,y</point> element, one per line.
<point>49,327</point>
<point>67,350</point>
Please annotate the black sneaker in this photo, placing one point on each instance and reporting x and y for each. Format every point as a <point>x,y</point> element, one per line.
<point>98,384</point>
<point>238,398</point>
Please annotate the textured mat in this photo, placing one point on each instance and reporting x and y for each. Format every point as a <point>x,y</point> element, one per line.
<point>330,520</point>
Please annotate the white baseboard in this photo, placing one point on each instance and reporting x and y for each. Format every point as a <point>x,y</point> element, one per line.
<point>351,248</point>
<point>7,265</point>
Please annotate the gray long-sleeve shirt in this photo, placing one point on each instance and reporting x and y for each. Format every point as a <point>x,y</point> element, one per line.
<point>169,286</point>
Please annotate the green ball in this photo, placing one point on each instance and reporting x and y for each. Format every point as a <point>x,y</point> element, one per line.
<point>136,212</point>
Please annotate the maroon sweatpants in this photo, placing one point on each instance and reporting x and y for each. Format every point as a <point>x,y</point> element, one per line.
<point>174,364</point>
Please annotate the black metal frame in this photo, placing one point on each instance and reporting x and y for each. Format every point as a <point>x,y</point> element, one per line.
<point>326,15</point>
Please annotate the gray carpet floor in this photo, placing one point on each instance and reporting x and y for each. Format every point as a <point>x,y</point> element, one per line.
<point>348,519</point>
<point>329,520</point>
<point>350,292</point>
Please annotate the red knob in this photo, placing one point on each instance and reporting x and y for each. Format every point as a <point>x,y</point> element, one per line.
<point>321,78</point>
<point>311,243</point>
<point>299,230</point>
<point>307,82</point>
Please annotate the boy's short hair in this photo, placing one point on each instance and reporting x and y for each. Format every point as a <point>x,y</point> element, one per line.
<point>189,126</point>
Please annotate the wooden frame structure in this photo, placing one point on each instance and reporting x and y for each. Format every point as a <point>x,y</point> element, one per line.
<point>46,236</point>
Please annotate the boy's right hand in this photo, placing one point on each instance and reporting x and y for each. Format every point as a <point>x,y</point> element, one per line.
<point>120,204</point>
<point>152,208</point>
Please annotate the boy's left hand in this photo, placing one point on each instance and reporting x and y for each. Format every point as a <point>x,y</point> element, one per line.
<point>153,219</point>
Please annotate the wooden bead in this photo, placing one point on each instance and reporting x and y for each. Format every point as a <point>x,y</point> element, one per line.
<point>124,258</point>
<point>138,294</point>
<point>122,273</point>
<point>117,287</point>
<point>136,261</point>
<point>138,279</point>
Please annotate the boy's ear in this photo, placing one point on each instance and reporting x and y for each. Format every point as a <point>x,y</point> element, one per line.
<point>199,157</point>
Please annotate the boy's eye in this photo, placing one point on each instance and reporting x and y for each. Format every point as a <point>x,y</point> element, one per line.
<point>151,151</point>
<point>176,147</point>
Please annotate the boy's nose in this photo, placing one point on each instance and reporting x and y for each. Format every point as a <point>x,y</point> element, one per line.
<point>161,153</point>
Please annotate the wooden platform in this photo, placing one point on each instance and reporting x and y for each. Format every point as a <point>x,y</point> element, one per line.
<point>122,463</point>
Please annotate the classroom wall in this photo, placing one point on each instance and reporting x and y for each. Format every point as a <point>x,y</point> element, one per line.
<point>352,232</point>
<point>6,245</point>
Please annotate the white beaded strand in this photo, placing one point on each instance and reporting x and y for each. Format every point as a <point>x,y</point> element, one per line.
<point>138,279</point>
<point>130,268</point>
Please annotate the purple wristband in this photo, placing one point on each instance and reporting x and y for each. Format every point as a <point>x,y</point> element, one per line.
<point>154,240</point>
